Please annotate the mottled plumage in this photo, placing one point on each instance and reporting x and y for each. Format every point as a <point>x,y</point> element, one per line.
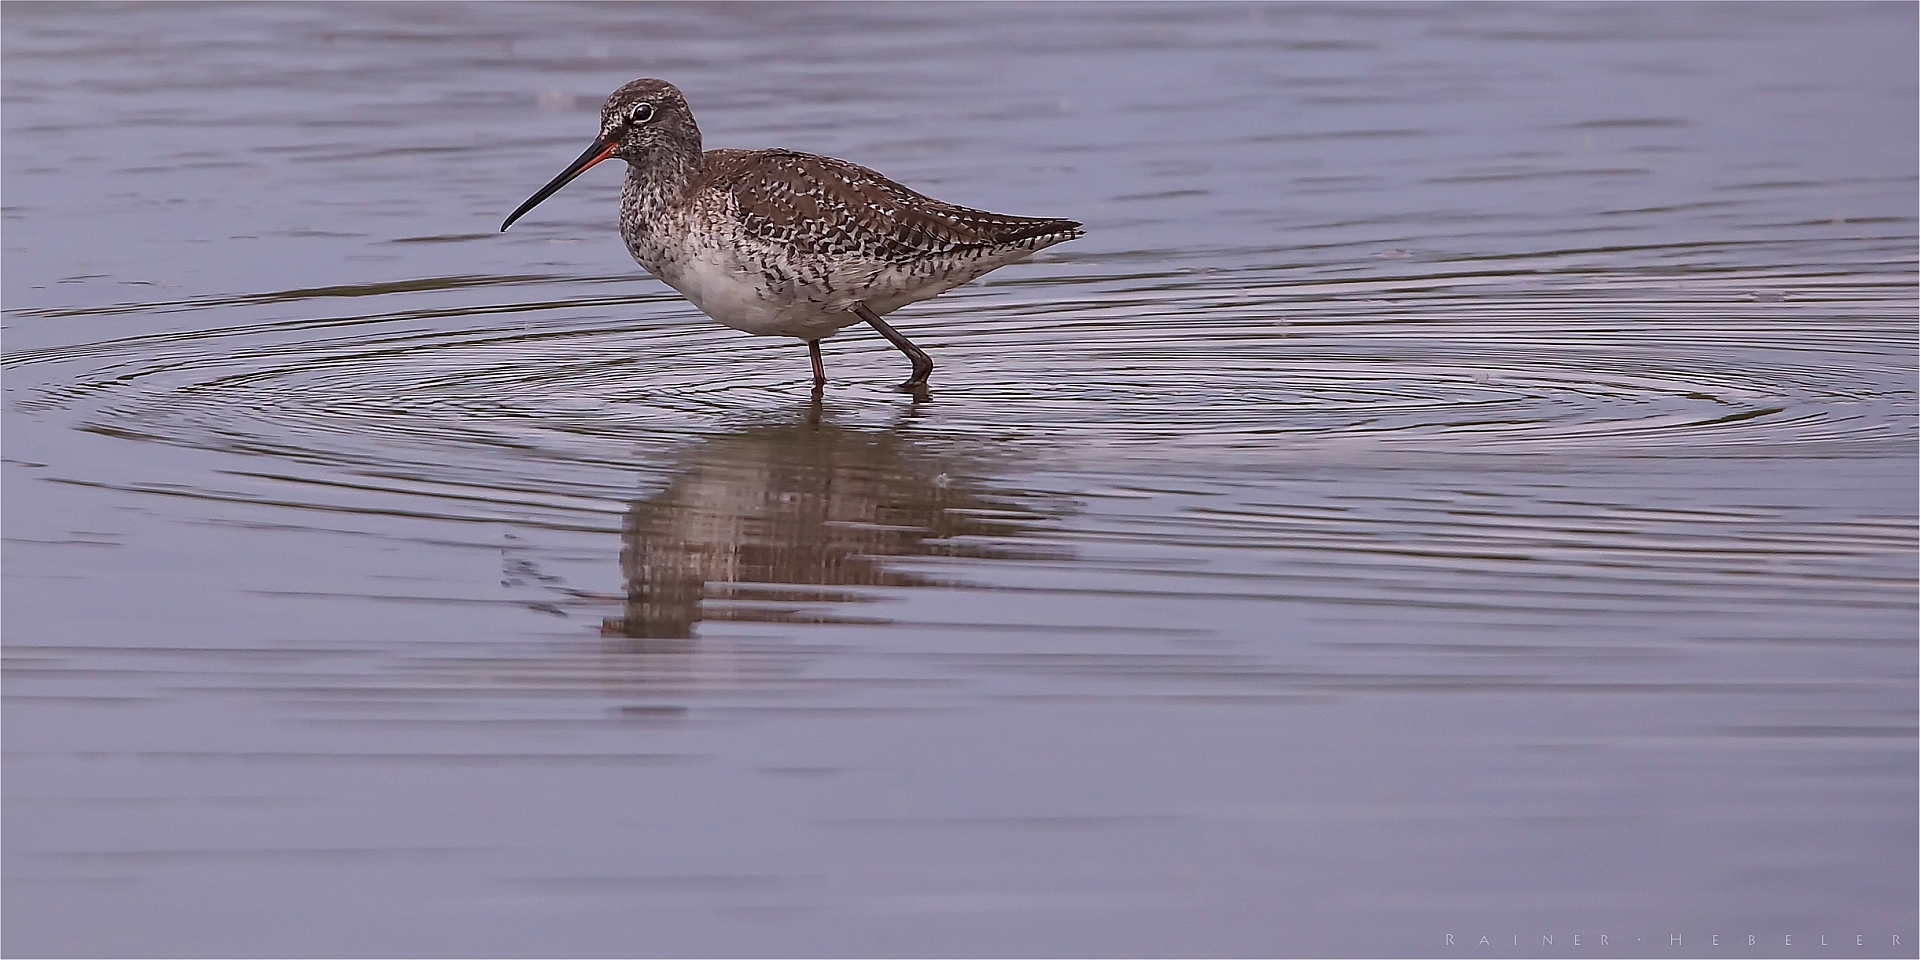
<point>777,242</point>
<point>819,206</point>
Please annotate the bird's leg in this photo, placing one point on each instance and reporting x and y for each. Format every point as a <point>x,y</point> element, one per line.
<point>819,369</point>
<point>922,366</point>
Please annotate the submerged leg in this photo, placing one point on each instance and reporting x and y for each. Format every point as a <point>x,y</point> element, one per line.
<point>922,366</point>
<point>819,369</point>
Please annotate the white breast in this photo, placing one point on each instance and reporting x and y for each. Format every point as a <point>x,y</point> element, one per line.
<point>733,283</point>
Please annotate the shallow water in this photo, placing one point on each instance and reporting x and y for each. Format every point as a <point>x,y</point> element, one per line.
<point>1462,486</point>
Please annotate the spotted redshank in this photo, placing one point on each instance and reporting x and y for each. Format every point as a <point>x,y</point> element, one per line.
<point>781,243</point>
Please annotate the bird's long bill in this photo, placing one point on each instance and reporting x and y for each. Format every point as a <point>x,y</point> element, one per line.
<point>600,150</point>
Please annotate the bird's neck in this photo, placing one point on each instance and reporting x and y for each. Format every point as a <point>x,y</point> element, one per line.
<point>660,180</point>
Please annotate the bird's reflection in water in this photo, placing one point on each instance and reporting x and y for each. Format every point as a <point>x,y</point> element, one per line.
<point>765,524</point>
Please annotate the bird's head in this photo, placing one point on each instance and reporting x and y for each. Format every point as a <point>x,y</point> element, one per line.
<point>641,123</point>
<point>644,117</point>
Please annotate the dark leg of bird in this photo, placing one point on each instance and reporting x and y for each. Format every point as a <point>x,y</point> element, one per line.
<point>922,366</point>
<point>819,369</point>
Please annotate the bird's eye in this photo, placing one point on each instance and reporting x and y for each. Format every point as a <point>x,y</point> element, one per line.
<point>641,113</point>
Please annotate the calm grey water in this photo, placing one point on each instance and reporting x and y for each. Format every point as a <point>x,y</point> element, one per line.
<point>1460,497</point>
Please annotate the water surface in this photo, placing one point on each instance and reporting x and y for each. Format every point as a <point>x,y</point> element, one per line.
<point>1462,486</point>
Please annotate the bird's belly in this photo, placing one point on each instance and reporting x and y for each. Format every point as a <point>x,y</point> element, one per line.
<point>760,301</point>
<point>762,293</point>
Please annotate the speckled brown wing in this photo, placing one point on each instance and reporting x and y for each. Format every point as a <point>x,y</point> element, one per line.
<point>819,206</point>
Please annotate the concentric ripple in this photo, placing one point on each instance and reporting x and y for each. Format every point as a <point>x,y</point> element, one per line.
<point>421,383</point>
